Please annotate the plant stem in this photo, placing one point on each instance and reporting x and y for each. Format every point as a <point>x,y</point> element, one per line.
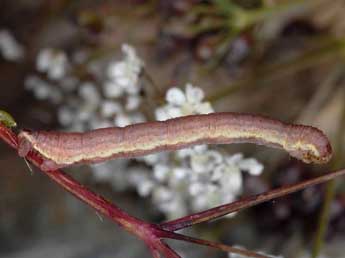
<point>245,18</point>
<point>330,193</point>
<point>152,234</point>
<point>222,247</point>
<point>262,13</point>
<point>94,200</point>
<point>324,219</point>
<point>329,49</point>
<point>246,202</point>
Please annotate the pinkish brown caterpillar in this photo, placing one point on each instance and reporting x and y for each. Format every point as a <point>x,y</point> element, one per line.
<point>61,149</point>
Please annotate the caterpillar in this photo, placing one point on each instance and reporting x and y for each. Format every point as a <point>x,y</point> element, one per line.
<point>61,149</point>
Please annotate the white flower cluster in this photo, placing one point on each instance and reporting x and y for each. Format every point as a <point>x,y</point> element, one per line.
<point>123,82</point>
<point>10,49</point>
<point>181,103</point>
<point>81,104</point>
<point>123,76</point>
<point>53,62</point>
<point>185,181</point>
<point>192,179</point>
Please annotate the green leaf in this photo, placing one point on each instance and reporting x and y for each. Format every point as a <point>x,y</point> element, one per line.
<point>7,119</point>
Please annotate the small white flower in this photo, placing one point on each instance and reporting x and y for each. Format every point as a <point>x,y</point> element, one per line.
<point>162,194</point>
<point>89,93</point>
<point>194,95</point>
<point>160,114</point>
<point>145,187</point>
<point>122,120</point>
<point>112,89</point>
<point>179,173</point>
<point>165,113</point>
<point>133,102</point>
<point>42,89</point>
<point>184,153</point>
<point>119,73</point>
<point>124,74</point>
<point>252,166</point>
<point>231,179</point>
<point>53,62</point>
<point>196,188</point>
<point>200,148</point>
<point>205,162</point>
<point>84,113</point>
<point>175,96</point>
<point>65,116</point>
<point>155,159</point>
<point>234,159</point>
<point>161,172</point>
<point>183,103</point>
<point>174,208</point>
<point>110,108</point>
<point>200,202</point>
<point>9,48</point>
<point>173,112</point>
<point>204,108</point>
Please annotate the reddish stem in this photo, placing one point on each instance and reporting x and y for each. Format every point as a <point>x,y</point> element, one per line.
<point>153,234</point>
<point>101,205</point>
<point>218,246</point>
<point>250,201</point>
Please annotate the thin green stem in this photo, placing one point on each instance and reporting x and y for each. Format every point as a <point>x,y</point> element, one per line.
<point>324,219</point>
<point>257,15</point>
<point>242,18</point>
<point>331,49</point>
<point>329,194</point>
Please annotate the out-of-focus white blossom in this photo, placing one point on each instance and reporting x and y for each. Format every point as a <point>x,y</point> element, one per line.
<point>123,76</point>
<point>181,103</point>
<point>88,91</point>
<point>88,109</point>
<point>197,178</point>
<point>132,102</point>
<point>53,62</point>
<point>42,89</point>
<point>110,108</point>
<point>178,183</point>
<point>113,172</point>
<point>10,49</point>
<point>65,115</point>
<point>200,179</point>
<point>111,90</point>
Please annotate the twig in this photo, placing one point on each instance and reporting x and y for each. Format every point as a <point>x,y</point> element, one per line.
<point>250,201</point>
<point>153,234</point>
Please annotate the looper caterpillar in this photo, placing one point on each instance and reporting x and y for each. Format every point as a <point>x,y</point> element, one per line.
<point>60,149</point>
